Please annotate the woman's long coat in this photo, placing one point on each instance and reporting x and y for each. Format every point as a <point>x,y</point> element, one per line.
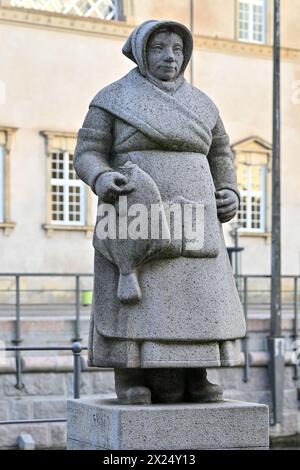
<point>190,313</point>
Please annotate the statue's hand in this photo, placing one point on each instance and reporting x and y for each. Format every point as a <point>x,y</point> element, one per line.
<point>110,185</point>
<point>227,204</point>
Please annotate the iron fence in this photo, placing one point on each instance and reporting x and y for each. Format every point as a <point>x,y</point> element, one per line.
<point>254,291</point>
<point>76,349</point>
<point>17,292</point>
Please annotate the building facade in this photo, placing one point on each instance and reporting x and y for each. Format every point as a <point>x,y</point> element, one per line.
<point>55,55</point>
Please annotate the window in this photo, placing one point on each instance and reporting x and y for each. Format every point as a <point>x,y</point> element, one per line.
<point>1,184</point>
<point>253,168</point>
<point>251,181</point>
<point>252,21</point>
<point>6,138</point>
<point>67,191</point>
<point>103,9</point>
<point>69,200</point>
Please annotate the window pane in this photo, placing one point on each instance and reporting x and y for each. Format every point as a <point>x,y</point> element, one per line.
<point>244,21</point>
<point>255,212</point>
<point>242,214</point>
<point>57,206</point>
<point>75,204</point>
<point>252,20</point>
<point>242,176</point>
<point>251,185</point>
<point>103,9</point>
<point>255,178</point>
<point>67,205</point>
<point>72,174</point>
<point>57,165</point>
<point>258,21</point>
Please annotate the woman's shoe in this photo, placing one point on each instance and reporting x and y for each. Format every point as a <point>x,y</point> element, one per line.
<point>166,385</point>
<point>200,390</point>
<point>130,388</point>
<point>135,396</point>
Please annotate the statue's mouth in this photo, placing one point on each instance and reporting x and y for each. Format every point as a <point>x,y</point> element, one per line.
<point>168,68</point>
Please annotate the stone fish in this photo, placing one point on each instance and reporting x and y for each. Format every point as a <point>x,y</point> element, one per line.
<point>124,250</point>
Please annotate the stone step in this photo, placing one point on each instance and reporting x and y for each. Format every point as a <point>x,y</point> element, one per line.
<point>105,424</point>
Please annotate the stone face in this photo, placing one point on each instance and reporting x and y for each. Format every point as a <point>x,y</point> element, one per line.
<point>104,424</point>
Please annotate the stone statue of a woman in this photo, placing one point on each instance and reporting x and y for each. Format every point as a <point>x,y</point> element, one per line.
<point>177,312</point>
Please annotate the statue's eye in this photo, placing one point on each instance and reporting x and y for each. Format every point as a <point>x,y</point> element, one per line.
<point>156,47</point>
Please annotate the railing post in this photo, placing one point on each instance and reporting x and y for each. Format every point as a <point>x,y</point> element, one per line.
<point>276,341</point>
<point>18,340</point>
<point>76,349</point>
<point>295,335</point>
<point>246,338</point>
<point>77,301</point>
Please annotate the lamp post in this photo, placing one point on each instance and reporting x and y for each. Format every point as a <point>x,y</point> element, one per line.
<point>192,31</point>
<point>234,233</point>
<point>276,341</point>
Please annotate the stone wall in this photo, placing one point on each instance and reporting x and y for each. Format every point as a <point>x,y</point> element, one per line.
<point>48,379</point>
<point>45,395</point>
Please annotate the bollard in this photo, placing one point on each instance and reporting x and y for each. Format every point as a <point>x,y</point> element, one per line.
<point>76,349</point>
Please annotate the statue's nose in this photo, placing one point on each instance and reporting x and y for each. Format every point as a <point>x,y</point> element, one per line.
<point>169,56</point>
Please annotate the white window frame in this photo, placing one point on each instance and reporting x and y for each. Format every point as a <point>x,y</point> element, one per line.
<point>66,183</point>
<point>249,193</point>
<point>79,8</point>
<point>250,37</point>
<point>2,153</point>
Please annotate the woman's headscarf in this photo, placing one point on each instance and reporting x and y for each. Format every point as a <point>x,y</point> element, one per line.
<point>135,48</point>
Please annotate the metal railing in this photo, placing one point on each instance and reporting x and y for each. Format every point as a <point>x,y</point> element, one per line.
<point>257,295</point>
<point>254,291</point>
<point>76,349</point>
<point>251,297</point>
<point>261,303</point>
<point>18,292</point>
<point>17,340</point>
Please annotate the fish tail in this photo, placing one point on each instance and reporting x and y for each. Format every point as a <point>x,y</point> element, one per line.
<point>129,291</point>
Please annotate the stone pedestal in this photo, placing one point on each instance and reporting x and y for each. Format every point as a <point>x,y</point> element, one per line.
<point>104,424</point>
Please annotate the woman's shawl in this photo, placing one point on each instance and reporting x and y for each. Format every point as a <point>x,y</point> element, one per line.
<point>173,114</point>
<point>180,121</point>
<point>135,48</point>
